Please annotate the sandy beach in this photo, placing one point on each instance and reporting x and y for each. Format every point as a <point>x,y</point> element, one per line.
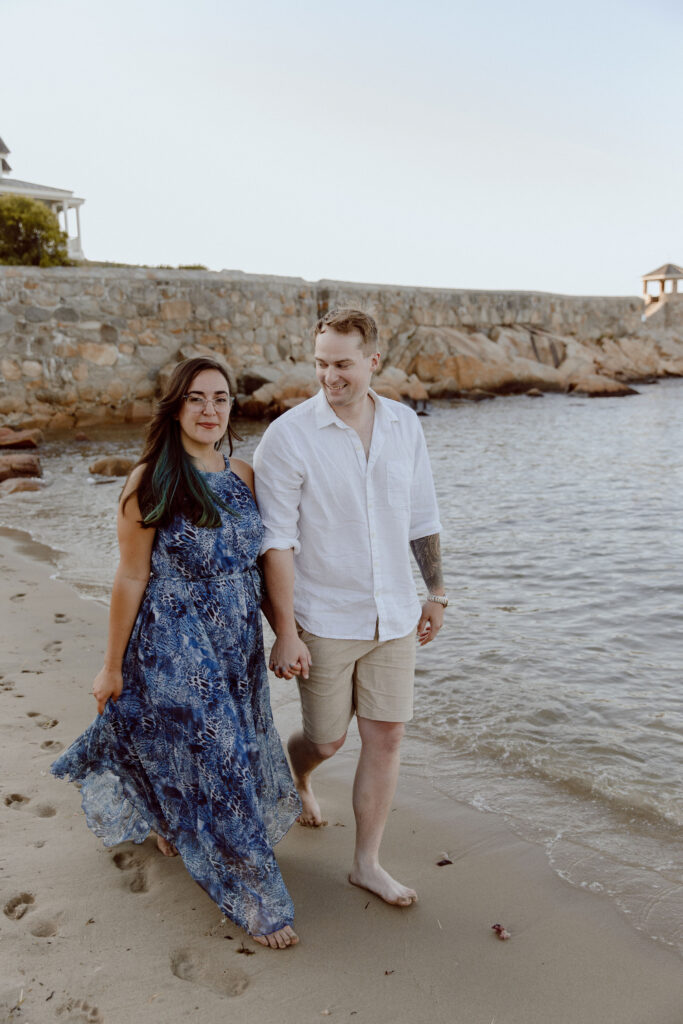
<point>124,935</point>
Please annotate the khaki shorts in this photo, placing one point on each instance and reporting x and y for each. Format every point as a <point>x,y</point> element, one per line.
<point>373,679</point>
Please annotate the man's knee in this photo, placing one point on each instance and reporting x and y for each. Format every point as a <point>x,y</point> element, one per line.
<point>326,750</point>
<point>386,736</point>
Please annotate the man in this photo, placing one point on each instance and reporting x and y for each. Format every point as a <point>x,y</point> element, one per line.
<point>345,490</point>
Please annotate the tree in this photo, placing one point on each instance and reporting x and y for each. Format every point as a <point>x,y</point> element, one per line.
<point>30,235</point>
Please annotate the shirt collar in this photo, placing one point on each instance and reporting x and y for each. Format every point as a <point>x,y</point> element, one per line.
<point>325,414</point>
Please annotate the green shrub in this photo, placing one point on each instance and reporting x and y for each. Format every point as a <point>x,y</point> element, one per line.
<point>30,235</point>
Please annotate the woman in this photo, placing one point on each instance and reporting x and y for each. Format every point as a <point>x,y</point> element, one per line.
<point>185,743</point>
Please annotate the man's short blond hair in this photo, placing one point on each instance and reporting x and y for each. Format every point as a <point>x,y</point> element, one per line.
<point>346,321</point>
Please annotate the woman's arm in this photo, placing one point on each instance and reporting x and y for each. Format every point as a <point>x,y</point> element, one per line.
<point>244,471</point>
<point>130,581</point>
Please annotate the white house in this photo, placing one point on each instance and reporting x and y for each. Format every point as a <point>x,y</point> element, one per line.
<point>60,200</point>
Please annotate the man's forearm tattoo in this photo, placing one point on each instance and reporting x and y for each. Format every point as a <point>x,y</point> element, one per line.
<point>427,551</point>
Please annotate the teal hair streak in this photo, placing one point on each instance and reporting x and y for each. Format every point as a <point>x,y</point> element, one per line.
<point>175,478</point>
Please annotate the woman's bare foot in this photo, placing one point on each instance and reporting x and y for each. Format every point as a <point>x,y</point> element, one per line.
<point>378,881</point>
<point>168,849</point>
<point>278,940</point>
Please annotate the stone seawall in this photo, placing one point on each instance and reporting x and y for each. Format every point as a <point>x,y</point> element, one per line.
<point>80,346</point>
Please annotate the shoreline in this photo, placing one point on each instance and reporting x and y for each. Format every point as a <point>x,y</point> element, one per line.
<point>134,937</point>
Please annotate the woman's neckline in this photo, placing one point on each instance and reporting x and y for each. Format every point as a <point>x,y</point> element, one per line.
<point>213,472</point>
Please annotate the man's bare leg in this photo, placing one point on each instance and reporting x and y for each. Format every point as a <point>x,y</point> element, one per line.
<point>305,757</point>
<point>373,790</point>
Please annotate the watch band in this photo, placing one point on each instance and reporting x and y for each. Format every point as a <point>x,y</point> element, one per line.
<point>438,599</point>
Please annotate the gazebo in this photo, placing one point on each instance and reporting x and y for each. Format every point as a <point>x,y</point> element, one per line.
<point>667,272</point>
<point>60,201</point>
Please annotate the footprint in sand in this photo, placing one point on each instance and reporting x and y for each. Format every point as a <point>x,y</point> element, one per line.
<point>61,617</point>
<point>77,1011</point>
<point>18,905</point>
<point>52,746</point>
<point>17,597</point>
<point>44,811</point>
<point>54,647</point>
<point>16,801</point>
<point>44,929</point>
<point>227,981</point>
<point>6,685</point>
<point>127,860</point>
<point>42,721</point>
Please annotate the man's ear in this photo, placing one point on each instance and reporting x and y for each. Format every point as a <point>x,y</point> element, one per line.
<point>375,360</point>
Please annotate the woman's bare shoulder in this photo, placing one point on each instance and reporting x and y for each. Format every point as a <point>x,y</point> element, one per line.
<point>244,471</point>
<point>134,478</point>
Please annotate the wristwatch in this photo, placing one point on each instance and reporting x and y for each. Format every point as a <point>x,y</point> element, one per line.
<point>438,599</point>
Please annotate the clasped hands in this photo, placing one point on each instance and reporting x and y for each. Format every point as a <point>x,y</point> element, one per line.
<point>289,657</point>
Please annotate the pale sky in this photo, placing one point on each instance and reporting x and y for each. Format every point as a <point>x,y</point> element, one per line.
<point>486,144</point>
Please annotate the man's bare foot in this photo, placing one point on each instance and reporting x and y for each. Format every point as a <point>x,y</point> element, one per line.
<point>378,881</point>
<point>168,849</point>
<point>278,940</point>
<point>311,815</point>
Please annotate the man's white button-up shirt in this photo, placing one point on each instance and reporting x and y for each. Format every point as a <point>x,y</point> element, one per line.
<point>349,519</point>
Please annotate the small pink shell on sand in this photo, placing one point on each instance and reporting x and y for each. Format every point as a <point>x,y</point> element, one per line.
<point>500,932</point>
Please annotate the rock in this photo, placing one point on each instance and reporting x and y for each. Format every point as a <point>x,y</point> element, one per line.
<point>444,389</point>
<point>386,391</point>
<point>253,378</point>
<point>268,400</point>
<point>19,438</point>
<point>391,376</point>
<point>61,422</point>
<point>80,436</point>
<point>596,386</point>
<point>112,466</point>
<point>534,393</point>
<point>19,465</point>
<point>414,390</point>
<point>290,403</point>
<point>138,412</point>
<point>13,486</point>
<point>477,395</point>
<point>99,354</point>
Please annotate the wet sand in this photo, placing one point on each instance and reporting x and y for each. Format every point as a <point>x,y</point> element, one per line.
<point>124,935</point>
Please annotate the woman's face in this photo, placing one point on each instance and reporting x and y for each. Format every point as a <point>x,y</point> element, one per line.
<point>205,410</point>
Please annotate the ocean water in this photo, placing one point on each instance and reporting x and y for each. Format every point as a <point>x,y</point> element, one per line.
<point>553,695</point>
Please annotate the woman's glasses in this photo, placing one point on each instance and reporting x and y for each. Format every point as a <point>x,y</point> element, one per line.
<point>195,401</point>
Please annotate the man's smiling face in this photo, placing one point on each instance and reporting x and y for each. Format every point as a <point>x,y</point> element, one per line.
<point>341,367</point>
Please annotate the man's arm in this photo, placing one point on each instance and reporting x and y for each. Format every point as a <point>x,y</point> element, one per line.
<point>427,552</point>
<point>289,655</point>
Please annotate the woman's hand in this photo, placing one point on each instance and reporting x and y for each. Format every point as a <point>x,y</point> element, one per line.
<point>108,683</point>
<point>290,657</point>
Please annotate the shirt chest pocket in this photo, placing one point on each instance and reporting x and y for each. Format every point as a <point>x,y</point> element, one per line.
<point>399,482</point>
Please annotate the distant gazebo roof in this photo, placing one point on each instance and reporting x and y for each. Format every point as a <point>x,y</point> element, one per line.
<point>667,272</point>
<point>3,149</point>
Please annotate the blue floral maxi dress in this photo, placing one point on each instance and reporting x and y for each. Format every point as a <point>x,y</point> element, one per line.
<point>190,749</point>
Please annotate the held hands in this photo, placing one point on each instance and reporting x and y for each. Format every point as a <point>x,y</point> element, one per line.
<point>108,683</point>
<point>289,657</point>
<point>430,622</point>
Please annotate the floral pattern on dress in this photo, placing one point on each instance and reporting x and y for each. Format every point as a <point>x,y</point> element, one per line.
<point>190,749</point>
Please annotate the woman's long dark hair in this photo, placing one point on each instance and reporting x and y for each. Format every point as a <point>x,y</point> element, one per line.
<point>170,484</point>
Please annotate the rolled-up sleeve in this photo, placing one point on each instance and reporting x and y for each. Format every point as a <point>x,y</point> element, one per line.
<point>424,511</point>
<point>278,481</point>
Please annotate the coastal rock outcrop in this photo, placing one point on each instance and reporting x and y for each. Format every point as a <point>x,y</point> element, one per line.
<point>111,466</point>
<point>17,484</point>
<point>13,465</point>
<point>596,386</point>
<point>19,438</point>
